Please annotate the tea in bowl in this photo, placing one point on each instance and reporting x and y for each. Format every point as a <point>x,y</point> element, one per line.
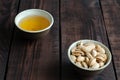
<point>34,23</point>
<point>89,57</point>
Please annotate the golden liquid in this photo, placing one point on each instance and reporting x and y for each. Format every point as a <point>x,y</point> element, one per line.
<point>34,23</point>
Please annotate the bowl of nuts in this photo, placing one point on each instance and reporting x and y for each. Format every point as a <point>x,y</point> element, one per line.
<point>89,57</point>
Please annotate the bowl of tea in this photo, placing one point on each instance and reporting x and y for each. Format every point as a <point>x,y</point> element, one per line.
<point>34,22</point>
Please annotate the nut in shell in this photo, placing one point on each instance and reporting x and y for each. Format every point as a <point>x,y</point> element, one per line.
<point>101,64</point>
<point>89,55</point>
<point>84,64</point>
<point>95,66</point>
<point>80,58</point>
<point>100,49</point>
<point>76,53</point>
<point>86,48</point>
<point>92,62</point>
<point>94,53</point>
<point>89,46</point>
<point>101,57</point>
<point>87,60</point>
<point>73,58</point>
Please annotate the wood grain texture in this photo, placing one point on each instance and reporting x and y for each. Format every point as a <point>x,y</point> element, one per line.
<point>36,59</point>
<point>82,19</point>
<point>8,10</point>
<point>111,13</point>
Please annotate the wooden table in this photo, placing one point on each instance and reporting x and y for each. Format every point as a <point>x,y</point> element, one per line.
<point>46,58</point>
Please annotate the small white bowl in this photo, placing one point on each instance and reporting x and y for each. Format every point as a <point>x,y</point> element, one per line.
<point>90,71</point>
<point>30,12</point>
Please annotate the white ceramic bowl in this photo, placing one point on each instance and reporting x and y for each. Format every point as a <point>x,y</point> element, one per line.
<point>90,71</point>
<point>30,12</point>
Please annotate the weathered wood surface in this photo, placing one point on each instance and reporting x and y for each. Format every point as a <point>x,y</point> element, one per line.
<point>8,9</point>
<point>82,20</point>
<point>36,59</point>
<point>46,58</point>
<point>111,14</point>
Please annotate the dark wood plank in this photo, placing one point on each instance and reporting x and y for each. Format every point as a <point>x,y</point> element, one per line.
<point>82,19</point>
<point>111,12</point>
<point>8,9</point>
<point>36,59</point>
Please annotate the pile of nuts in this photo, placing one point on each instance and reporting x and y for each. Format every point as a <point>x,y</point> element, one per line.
<point>88,55</point>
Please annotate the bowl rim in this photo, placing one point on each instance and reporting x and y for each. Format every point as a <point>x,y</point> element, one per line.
<point>96,42</point>
<point>37,31</point>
